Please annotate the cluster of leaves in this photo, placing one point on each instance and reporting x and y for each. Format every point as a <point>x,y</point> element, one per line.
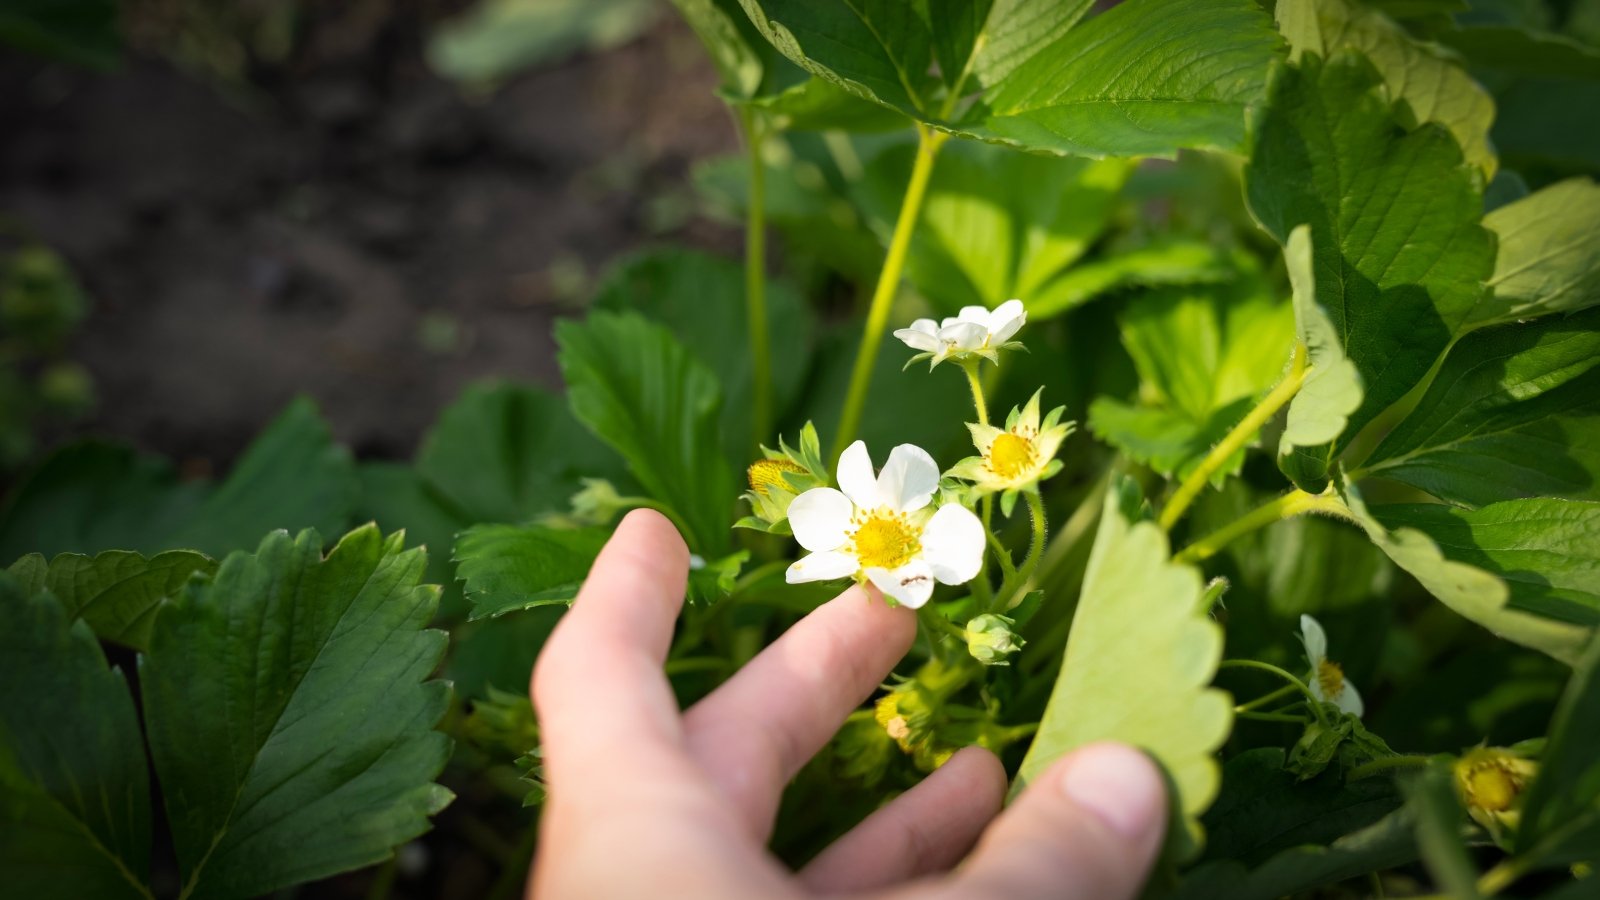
<point>1392,311</point>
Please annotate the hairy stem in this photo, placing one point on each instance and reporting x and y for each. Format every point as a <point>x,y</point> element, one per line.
<point>1024,577</point>
<point>976,383</point>
<point>1288,506</point>
<point>1375,766</point>
<point>755,276</point>
<point>1235,440</point>
<point>1311,699</point>
<point>888,281</point>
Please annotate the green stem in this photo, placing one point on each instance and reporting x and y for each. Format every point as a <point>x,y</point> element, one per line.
<point>755,276</point>
<point>1288,506</point>
<point>1024,576</point>
<point>1264,699</point>
<point>1271,717</point>
<point>1235,440</point>
<point>1375,766</point>
<point>929,142</point>
<point>976,383</point>
<point>756,575</point>
<point>1311,699</point>
<point>1501,876</point>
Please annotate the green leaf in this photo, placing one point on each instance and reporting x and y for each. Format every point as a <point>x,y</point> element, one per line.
<point>506,452</point>
<point>1476,594</point>
<point>1432,86</point>
<point>115,592</point>
<point>1331,391</point>
<point>398,498</point>
<point>74,794</point>
<point>92,497</point>
<point>740,55</point>
<point>1162,262</point>
<point>79,31</point>
<point>1439,819</point>
<point>1384,845</point>
<point>700,298</point>
<point>497,38</point>
<point>996,224</point>
<point>1523,51</point>
<point>288,716</point>
<point>1397,253</point>
<point>1264,810</point>
<point>1546,550</point>
<point>1144,78</point>
<point>507,568</point>
<point>1205,355</point>
<point>1561,814</point>
<point>817,104</point>
<point>877,49</point>
<point>1548,260</point>
<point>1513,412</point>
<point>645,394</point>
<point>1138,663</point>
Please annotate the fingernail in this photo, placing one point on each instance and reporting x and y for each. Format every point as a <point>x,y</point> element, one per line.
<point>1116,783</point>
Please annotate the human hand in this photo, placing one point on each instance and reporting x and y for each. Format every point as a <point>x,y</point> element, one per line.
<point>648,801</point>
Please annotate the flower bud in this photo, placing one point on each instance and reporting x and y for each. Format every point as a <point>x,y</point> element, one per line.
<point>598,502</point>
<point>780,476</point>
<point>990,639</point>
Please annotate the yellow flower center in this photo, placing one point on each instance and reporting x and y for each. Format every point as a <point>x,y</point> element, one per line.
<point>885,539</point>
<point>1491,780</point>
<point>1011,455</point>
<point>765,473</point>
<point>1330,675</point>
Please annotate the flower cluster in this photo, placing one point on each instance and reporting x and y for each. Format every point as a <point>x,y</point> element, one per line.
<point>973,333</point>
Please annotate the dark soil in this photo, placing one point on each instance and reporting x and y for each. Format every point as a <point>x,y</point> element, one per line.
<point>357,229</point>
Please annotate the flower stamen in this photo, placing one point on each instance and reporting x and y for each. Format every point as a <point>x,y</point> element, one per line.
<point>885,539</point>
<point>1011,454</point>
<point>768,473</point>
<point>1330,676</point>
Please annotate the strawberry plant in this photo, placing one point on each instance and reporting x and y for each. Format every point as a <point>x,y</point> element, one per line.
<point>1224,380</point>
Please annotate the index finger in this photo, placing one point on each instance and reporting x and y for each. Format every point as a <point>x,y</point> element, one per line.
<point>603,700</point>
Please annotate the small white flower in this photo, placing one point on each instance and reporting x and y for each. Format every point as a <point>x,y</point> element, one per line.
<point>1018,457</point>
<point>975,331</point>
<point>879,528</point>
<point>1328,683</point>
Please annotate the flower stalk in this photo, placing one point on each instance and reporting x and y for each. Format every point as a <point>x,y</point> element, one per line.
<point>928,144</point>
<point>1294,503</point>
<point>1237,438</point>
<point>755,275</point>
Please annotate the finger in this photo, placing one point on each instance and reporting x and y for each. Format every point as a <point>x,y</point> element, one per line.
<point>1088,828</point>
<point>603,701</point>
<point>752,734</point>
<point>925,830</point>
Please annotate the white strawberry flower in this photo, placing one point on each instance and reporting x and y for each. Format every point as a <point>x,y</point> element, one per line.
<point>1328,683</point>
<point>880,529</point>
<point>974,332</point>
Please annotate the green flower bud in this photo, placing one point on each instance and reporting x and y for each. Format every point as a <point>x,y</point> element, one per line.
<point>862,750</point>
<point>598,502</point>
<point>990,639</point>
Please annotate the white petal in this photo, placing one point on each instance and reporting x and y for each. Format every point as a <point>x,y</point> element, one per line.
<point>910,585</point>
<point>1006,320</point>
<point>917,339</point>
<point>964,335</point>
<point>926,326</point>
<point>1315,638</point>
<point>1350,701</point>
<point>908,479</point>
<point>820,518</point>
<point>824,566</point>
<point>952,543</point>
<point>978,314</point>
<point>1315,684</point>
<point>856,478</point>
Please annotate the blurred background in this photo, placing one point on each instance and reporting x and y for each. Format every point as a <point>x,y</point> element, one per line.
<point>208,207</point>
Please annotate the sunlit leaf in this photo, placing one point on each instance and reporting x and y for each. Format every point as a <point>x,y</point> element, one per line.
<point>74,794</point>
<point>1547,260</point>
<point>1477,594</point>
<point>1331,392</point>
<point>115,592</point>
<point>1546,550</point>
<point>644,393</point>
<point>1398,257</point>
<point>1513,412</point>
<point>1434,87</point>
<point>288,716</point>
<point>1138,665</point>
<point>1163,262</point>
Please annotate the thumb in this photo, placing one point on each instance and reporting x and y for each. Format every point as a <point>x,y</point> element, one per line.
<point>1088,828</point>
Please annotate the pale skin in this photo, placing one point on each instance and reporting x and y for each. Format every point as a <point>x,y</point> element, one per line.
<point>646,800</point>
